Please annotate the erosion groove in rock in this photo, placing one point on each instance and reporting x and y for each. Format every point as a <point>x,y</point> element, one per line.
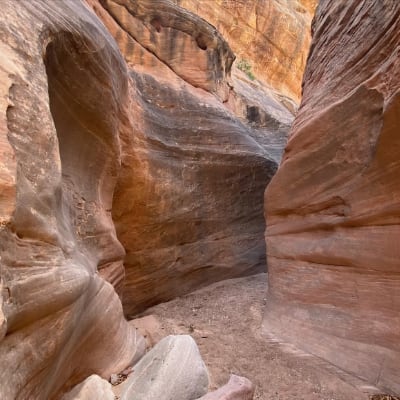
<point>188,203</point>
<point>272,37</point>
<point>161,31</point>
<point>62,99</point>
<point>332,209</point>
<point>172,370</point>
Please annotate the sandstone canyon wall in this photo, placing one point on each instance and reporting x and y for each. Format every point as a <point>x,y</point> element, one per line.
<point>188,205</point>
<point>139,145</point>
<point>270,36</point>
<point>332,209</point>
<point>64,88</point>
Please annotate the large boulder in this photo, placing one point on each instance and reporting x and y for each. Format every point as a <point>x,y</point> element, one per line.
<point>172,370</point>
<point>332,209</point>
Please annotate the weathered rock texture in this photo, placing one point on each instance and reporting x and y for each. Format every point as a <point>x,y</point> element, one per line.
<point>333,208</point>
<point>273,36</point>
<point>172,370</point>
<point>64,87</point>
<point>154,32</point>
<point>156,146</point>
<point>188,202</point>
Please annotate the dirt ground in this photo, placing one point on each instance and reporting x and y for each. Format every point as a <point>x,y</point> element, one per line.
<point>225,321</point>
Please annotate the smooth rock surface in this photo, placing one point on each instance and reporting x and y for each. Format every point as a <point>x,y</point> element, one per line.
<point>272,36</point>
<point>147,129</point>
<point>332,209</point>
<point>63,91</point>
<point>188,205</point>
<point>172,370</point>
<point>237,388</point>
<point>92,388</point>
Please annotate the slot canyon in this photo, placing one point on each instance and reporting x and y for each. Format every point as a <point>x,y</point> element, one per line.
<point>198,200</point>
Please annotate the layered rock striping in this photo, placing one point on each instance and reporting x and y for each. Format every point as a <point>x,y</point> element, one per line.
<point>271,38</point>
<point>156,141</point>
<point>332,209</point>
<point>195,163</point>
<point>63,97</point>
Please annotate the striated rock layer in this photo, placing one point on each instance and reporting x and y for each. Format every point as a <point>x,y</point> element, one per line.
<point>188,205</point>
<point>64,90</point>
<point>333,207</point>
<point>164,147</point>
<point>271,36</point>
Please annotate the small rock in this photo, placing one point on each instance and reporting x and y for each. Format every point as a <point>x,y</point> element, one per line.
<point>114,380</point>
<point>238,388</point>
<point>117,379</point>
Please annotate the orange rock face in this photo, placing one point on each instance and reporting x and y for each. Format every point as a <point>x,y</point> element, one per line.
<point>272,36</point>
<point>332,209</point>
<point>132,167</point>
<point>188,204</point>
<point>63,94</point>
<point>155,156</point>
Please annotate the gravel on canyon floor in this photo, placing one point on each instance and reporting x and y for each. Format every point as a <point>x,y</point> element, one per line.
<point>225,320</point>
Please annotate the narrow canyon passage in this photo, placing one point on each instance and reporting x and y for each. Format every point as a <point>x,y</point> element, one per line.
<point>225,320</point>
<point>156,157</point>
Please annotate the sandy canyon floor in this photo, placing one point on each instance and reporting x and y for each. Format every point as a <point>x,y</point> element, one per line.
<point>225,320</point>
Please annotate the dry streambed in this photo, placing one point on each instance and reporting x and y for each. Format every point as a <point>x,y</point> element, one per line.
<point>225,321</point>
